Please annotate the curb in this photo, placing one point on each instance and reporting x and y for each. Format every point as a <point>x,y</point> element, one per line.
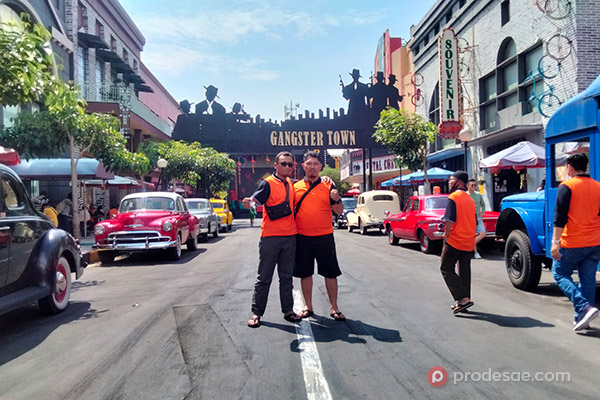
<point>91,257</point>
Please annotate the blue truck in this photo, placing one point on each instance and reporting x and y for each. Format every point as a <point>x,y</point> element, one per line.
<point>526,220</point>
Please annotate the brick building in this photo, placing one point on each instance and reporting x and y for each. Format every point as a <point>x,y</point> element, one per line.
<point>501,44</point>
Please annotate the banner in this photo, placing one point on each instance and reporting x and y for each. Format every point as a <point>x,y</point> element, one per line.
<point>450,123</point>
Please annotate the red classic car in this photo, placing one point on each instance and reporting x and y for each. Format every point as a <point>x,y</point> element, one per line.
<point>148,221</point>
<point>421,220</point>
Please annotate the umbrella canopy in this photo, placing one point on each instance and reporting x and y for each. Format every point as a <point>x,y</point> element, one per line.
<point>9,156</point>
<point>522,155</point>
<point>59,169</point>
<point>353,192</point>
<point>116,181</point>
<point>433,174</point>
<point>389,182</point>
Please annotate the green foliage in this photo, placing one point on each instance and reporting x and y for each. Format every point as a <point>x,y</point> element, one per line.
<point>334,174</point>
<point>406,135</point>
<point>26,62</point>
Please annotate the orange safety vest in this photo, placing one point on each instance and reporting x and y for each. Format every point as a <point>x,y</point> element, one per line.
<point>463,232</point>
<point>285,226</point>
<point>314,216</point>
<point>583,226</point>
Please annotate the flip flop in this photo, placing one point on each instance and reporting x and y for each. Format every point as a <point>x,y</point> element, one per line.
<point>306,313</point>
<point>338,316</point>
<point>453,307</point>
<point>462,307</point>
<point>254,322</point>
<point>292,317</point>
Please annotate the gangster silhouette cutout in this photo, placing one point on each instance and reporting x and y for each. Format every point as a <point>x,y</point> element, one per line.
<point>210,106</point>
<point>393,96</point>
<point>356,94</point>
<point>379,94</point>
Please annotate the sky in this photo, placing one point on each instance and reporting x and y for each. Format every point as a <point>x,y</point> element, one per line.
<point>267,54</point>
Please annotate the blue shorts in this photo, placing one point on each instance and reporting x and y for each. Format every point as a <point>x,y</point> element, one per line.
<point>480,226</point>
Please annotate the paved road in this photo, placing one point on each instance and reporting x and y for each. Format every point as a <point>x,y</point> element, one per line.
<point>144,328</point>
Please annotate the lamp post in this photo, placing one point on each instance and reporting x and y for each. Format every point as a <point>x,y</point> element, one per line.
<point>161,164</point>
<point>465,136</point>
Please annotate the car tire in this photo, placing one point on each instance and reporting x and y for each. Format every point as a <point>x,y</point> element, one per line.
<point>58,300</point>
<point>392,239</point>
<point>174,252</point>
<point>229,227</point>
<point>427,245</point>
<point>106,256</point>
<point>203,237</point>
<point>350,228</point>
<point>362,228</point>
<point>524,269</point>
<point>192,243</point>
<point>223,228</point>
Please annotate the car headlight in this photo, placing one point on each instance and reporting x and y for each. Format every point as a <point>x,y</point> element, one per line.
<point>167,226</point>
<point>99,229</point>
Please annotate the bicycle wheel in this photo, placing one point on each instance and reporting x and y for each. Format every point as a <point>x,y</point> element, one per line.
<point>547,104</point>
<point>417,79</point>
<point>558,47</point>
<point>557,9</point>
<point>463,69</point>
<point>417,100</point>
<point>548,67</point>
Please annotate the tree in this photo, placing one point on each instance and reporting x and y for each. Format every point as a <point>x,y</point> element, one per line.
<point>407,135</point>
<point>334,174</point>
<point>26,63</point>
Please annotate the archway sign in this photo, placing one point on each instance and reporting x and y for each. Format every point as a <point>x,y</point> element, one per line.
<point>237,132</point>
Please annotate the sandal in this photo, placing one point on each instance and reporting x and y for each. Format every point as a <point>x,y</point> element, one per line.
<point>462,307</point>
<point>338,316</point>
<point>292,317</point>
<point>254,322</point>
<point>306,313</point>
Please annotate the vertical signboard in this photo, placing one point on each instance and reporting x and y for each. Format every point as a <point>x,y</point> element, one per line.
<point>450,124</point>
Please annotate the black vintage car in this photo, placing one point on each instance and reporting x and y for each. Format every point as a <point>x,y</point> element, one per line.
<point>36,258</point>
<point>349,205</point>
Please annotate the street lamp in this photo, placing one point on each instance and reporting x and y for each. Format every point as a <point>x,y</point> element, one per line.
<point>161,164</point>
<point>465,136</point>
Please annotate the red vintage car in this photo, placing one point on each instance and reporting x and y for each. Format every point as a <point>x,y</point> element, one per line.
<point>421,220</point>
<point>148,221</point>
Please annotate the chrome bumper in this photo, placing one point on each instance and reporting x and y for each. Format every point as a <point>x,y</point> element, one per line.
<point>135,241</point>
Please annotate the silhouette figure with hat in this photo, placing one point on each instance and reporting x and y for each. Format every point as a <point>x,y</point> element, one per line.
<point>378,94</point>
<point>238,113</point>
<point>393,95</point>
<point>356,94</point>
<point>183,129</point>
<point>210,106</point>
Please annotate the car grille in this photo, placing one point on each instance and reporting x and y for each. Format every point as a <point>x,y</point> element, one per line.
<point>136,237</point>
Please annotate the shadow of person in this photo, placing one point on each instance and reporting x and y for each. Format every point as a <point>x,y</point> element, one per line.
<point>505,321</point>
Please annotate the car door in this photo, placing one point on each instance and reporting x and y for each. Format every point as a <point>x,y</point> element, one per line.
<point>24,223</point>
<point>4,245</point>
<point>401,223</point>
<point>184,219</point>
<point>412,218</point>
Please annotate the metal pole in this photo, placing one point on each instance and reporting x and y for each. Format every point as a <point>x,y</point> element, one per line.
<point>466,147</point>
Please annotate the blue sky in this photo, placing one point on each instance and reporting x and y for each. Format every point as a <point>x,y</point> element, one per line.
<point>265,54</point>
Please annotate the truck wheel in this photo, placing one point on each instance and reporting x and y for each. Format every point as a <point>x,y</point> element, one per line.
<point>58,300</point>
<point>427,245</point>
<point>524,269</point>
<point>392,239</point>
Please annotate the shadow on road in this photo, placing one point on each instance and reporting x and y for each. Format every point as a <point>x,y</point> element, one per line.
<point>153,258</point>
<point>505,321</point>
<point>25,328</point>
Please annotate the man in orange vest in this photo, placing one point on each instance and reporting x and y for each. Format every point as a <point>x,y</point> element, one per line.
<point>459,241</point>
<point>277,244</point>
<point>576,239</point>
<point>315,234</point>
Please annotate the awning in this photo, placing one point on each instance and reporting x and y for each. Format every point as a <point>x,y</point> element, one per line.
<point>144,88</point>
<point>522,155</point>
<point>109,56</point>
<point>122,181</point>
<point>433,175</point>
<point>91,41</point>
<point>445,154</point>
<point>59,169</point>
<point>403,180</point>
<point>9,156</point>
<point>123,67</point>
<point>133,78</point>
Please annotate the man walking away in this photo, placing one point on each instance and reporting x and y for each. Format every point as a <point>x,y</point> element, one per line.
<point>576,239</point>
<point>315,199</point>
<point>479,210</point>
<point>277,244</point>
<point>459,240</point>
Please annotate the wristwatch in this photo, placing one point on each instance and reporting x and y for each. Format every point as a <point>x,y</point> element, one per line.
<point>556,242</point>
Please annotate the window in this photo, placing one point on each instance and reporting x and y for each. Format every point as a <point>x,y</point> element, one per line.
<point>436,203</point>
<point>125,56</point>
<point>408,205</point>
<point>505,12</point>
<point>415,206</point>
<point>99,29</point>
<point>382,197</point>
<point>489,88</point>
<point>562,151</point>
<point>99,77</point>
<point>81,66</point>
<point>530,68</point>
<point>113,43</point>
<point>82,17</point>
<point>12,198</point>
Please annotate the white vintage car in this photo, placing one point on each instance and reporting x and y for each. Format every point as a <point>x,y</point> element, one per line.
<point>371,209</point>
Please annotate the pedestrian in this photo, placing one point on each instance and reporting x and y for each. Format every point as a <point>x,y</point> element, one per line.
<point>576,239</point>
<point>51,213</point>
<point>315,199</point>
<point>479,210</point>
<point>39,201</point>
<point>65,213</point>
<point>252,214</point>
<point>277,246</point>
<point>459,241</point>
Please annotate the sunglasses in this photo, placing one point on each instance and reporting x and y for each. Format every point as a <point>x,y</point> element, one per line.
<point>286,164</point>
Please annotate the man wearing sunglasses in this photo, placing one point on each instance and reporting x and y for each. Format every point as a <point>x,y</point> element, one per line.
<point>277,246</point>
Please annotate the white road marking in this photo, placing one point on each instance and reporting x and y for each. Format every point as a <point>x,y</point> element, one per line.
<point>316,385</point>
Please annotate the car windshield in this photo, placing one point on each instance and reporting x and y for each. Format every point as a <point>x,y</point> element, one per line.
<point>195,206</point>
<point>217,206</point>
<point>147,203</point>
<point>436,203</point>
<point>349,203</point>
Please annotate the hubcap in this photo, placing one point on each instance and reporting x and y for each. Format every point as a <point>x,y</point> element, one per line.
<point>516,263</point>
<point>178,245</point>
<point>61,282</point>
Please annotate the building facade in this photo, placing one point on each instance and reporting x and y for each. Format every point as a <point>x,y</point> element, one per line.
<point>517,63</point>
